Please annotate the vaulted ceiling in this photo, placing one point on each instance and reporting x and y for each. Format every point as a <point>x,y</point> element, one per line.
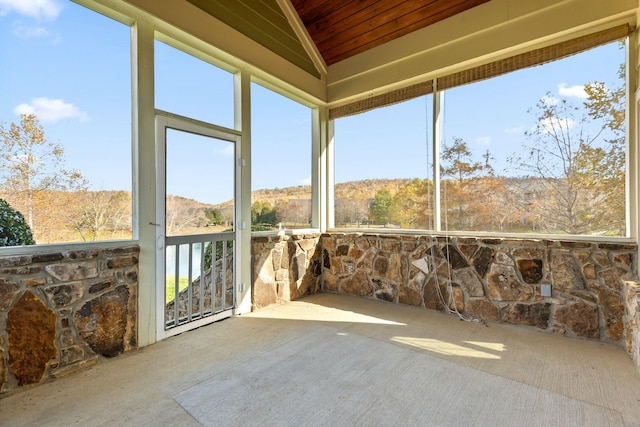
<point>341,29</point>
<point>337,30</point>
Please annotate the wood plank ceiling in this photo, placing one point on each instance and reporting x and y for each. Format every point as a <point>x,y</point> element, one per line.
<point>341,29</point>
<point>264,22</point>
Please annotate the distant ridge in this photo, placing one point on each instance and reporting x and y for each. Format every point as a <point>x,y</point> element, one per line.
<point>363,189</point>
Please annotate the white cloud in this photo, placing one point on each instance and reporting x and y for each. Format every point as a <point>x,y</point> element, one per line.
<point>484,140</point>
<point>576,91</point>
<point>546,125</point>
<point>51,110</point>
<point>25,32</point>
<point>514,130</point>
<point>549,100</point>
<point>42,10</point>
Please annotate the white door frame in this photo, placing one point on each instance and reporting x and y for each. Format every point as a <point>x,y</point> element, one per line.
<point>165,120</point>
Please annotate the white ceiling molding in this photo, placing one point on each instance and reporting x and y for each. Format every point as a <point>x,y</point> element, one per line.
<point>301,31</point>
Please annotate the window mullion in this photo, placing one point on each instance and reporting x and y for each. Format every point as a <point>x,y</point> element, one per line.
<point>438,112</point>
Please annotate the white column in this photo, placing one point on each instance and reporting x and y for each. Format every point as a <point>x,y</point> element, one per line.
<point>328,160</point>
<point>321,182</point>
<point>633,121</point>
<point>144,177</point>
<point>242,90</point>
<point>438,111</point>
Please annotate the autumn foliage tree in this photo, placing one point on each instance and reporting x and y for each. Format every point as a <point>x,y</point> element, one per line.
<point>602,168</point>
<point>31,166</point>
<point>56,201</point>
<point>293,212</point>
<point>413,205</point>
<point>466,187</point>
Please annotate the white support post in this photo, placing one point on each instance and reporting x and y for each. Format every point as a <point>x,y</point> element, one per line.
<point>144,177</point>
<point>319,184</point>
<point>242,90</point>
<point>633,153</point>
<point>438,107</point>
<point>328,159</point>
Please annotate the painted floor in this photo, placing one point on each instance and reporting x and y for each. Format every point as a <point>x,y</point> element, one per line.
<point>331,360</point>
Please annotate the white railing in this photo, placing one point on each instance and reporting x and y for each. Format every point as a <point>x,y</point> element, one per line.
<point>200,274</point>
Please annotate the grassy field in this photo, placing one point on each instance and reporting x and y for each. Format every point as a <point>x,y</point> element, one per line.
<point>171,289</point>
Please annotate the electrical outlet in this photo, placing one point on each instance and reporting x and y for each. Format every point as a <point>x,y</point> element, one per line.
<point>350,269</point>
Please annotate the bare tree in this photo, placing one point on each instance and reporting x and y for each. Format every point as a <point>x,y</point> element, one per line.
<point>573,169</point>
<point>181,215</point>
<point>101,214</point>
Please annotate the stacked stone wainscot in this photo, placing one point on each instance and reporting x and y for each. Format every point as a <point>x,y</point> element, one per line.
<point>632,313</point>
<point>285,267</point>
<point>60,311</point>
<point>491,279</point>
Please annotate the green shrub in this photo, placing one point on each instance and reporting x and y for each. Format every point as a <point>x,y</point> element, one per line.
<point>219,246</point>
<point>263,227</point>
<point>208,251</point>
<point>14,230</point>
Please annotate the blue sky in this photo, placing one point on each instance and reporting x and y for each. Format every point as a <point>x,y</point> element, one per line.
<point>489,115</point>
<point>80,93</point>
<point>71,67</point>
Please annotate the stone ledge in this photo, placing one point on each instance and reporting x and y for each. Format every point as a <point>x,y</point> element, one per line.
<point>73,368</point>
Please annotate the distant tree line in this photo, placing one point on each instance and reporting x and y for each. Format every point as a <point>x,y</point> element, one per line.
<point>571,177</point>
<point>567,177</point>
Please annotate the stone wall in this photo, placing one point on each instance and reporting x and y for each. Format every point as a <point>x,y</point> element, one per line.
<point>490,279</point>
<point>284,267</point>
<point>60,310</point>
<point>632,311</point>
<point>214,299</point>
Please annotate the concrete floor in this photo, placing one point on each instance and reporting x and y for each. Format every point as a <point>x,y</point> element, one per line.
<point>338,360</point>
